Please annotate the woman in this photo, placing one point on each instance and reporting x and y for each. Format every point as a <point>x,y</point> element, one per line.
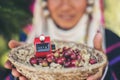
<point>70,20</point>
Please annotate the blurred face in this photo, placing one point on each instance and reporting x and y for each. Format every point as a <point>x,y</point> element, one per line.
<point>66,13</point>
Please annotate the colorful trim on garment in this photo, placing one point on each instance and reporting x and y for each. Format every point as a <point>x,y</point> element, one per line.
<point>114,46</point>
<point>114,76</point>
<point>116,59</point>
<point>9,77</point>
<point>111,48</point>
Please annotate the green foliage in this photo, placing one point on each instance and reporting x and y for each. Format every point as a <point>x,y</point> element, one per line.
<point>3,58</point>
<point>14,14</point>
<point>3,48</point>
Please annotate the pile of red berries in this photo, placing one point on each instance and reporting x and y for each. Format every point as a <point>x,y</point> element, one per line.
<point>67,57</point>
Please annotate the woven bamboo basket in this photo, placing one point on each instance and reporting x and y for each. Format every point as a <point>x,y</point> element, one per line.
<point>21,55</point>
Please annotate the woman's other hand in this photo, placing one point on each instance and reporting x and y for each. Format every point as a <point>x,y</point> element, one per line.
<point>9,65</point>
<point>98,46</point>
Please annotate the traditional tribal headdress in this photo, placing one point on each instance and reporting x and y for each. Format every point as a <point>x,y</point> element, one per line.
<point>93,11</point>
<point>94,6</point>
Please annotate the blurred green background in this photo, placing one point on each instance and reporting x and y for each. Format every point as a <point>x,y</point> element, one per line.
<point>15,14</point>
<point>112,15</point>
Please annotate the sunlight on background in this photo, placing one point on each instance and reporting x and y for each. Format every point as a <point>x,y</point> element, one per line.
<point>112,15</point>
<point>3,51</point>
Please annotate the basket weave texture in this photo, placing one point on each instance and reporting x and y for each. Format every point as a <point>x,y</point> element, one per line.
<point>21,55</point>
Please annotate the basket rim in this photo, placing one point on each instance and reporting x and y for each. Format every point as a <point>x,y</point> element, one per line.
<point>65,70</point>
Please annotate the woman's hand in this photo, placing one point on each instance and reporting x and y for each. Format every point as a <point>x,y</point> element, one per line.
<point>9,65</point>
<point>98,46</point>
